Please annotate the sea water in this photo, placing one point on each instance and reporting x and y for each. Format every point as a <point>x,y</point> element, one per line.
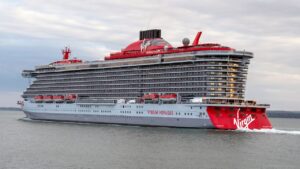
<point>52,145</point>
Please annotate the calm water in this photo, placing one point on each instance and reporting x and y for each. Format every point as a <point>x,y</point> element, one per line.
<point>51,145</point>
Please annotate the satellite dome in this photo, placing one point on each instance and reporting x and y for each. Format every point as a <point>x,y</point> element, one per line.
<point>185,41</point>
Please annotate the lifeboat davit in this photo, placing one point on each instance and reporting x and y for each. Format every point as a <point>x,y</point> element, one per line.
<point>59,98</point>
<point>39,98</point>
<point>168,97</point>
<point>71,97</point>
<point>48,98</point>
<point>152,96</point>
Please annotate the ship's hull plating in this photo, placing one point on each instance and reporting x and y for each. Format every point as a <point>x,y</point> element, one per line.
<point>128,120</point>
<point>169,115</point>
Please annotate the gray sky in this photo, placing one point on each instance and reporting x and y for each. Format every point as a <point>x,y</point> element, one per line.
<point>33,32</point>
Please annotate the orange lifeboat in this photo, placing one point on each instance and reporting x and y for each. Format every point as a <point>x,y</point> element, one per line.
<point>48,98</point>
<point>71,97</point>
<point>152,96</point>
<point>38,98</point>
<point>58,98</point>
<point>168,97</point>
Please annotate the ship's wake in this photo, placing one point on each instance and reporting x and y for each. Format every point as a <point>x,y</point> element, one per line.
<point>270,131</point>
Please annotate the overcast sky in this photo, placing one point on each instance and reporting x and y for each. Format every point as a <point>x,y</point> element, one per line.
<point>33,32</point>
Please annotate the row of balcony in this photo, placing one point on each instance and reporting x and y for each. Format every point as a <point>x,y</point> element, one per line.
<point>220,88</point>
<point>123,83</point>
<point>147,79</point>
<point>137,85</point>
<point>162,69</point>
<point>120,91</point>
<point>140,75</point>
<point>141,81</point>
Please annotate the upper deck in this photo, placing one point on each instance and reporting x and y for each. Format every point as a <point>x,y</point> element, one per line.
<point>169,58</point>
<point>149,65</point>
<point>149,49</point>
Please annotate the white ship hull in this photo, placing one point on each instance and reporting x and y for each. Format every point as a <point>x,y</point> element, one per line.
<point>171,115</point>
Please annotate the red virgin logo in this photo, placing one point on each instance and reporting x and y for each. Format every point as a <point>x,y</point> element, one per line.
<point>242,123</point>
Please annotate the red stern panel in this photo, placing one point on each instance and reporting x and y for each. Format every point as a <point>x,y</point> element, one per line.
<point>238,117</point>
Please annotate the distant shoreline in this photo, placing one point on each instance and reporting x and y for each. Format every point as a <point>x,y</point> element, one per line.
<point>11,108</point>
<point>283,114</point>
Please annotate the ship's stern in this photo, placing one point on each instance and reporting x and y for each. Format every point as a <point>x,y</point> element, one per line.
<point>235,117</point>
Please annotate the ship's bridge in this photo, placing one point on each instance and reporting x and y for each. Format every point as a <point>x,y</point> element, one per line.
<point>28,74</point>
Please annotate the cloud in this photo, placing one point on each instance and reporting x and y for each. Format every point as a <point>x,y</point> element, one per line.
<point>32,32</point>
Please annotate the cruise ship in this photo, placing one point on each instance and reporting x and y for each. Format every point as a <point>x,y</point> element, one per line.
<point>148,83</point>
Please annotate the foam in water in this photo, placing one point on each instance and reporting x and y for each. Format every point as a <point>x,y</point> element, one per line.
<point>272,131</point>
